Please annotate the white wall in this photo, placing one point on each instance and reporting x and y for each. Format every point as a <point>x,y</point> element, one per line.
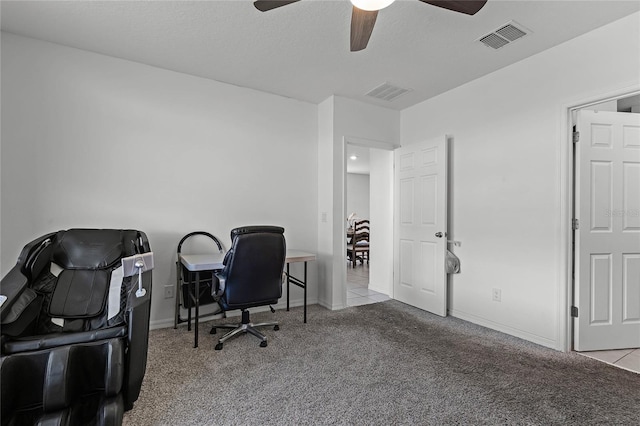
<point>325,258</point>
<point>342,119</point>
<point>357,195</point>
<point>507,158</point>
<point>93,141</point>
<point>381,196</point>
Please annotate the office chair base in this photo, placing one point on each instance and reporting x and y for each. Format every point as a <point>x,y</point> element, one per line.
<point>245,327</point>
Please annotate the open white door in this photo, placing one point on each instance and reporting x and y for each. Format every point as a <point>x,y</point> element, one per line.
<point>420,225</point>
<point>607,241</point>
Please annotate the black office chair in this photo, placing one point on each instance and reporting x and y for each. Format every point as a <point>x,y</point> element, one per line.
<point>252,276</point>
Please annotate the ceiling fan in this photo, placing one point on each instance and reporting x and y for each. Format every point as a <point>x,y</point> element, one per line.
<point>365,12</point>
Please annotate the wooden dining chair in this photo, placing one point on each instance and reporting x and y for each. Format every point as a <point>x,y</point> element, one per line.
<point>358,246</point>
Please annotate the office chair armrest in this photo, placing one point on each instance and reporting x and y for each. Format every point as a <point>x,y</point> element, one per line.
<point>217,292</point>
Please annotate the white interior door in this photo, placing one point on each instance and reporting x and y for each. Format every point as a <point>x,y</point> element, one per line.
<point>607,269</point>
<point>420,225</point>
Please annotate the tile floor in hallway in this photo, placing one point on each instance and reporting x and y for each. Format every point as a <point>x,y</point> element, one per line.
<point>629,359</point>
<point>358,292</point>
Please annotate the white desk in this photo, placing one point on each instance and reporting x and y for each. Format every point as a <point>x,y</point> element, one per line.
<point>202,262</point>
<point>213,262</point>
<point>195,263</point>
<point>294,256</point>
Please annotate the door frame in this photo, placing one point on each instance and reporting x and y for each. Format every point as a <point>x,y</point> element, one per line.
<point>567,208</point>
<point>339,231</point>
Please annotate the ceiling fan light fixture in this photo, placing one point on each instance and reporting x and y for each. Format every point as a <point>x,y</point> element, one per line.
<point>371,5</point>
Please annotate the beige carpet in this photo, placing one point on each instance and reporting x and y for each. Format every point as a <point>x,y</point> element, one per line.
<point>386,363</point>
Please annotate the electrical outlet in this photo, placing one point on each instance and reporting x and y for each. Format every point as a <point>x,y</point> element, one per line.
<point>168,291</point>
<point>496,295</point>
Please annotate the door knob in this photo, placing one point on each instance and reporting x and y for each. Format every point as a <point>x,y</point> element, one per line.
<point>439,234</point>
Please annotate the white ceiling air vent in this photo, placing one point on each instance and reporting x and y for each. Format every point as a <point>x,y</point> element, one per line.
<point>387,92</point>
<point>503,36</point>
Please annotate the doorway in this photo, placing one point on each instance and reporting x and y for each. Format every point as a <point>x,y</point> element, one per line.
<point>606,231</point>
<point>369,196</point>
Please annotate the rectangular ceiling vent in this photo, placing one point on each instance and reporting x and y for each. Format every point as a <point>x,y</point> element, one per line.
<point>503,36</point>
<point>387,92</point>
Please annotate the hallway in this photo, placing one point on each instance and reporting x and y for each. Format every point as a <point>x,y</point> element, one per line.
<point>358,292</point>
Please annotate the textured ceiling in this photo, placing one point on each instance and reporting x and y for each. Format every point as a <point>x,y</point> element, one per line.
<point>302,50</point>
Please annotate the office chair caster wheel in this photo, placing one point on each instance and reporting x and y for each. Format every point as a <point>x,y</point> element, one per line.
<point>276,327</point>
<point>212,331</point>
<point>218,347</point>
<point>263,344</point>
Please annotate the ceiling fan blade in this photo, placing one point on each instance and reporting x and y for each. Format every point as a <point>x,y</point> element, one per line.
<point>264,5</point>
<point>470,7</point>
<point>362,22</point>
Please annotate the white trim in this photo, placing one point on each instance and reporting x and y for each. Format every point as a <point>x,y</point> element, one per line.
<point>550,343</point>
<point>331,307</point>
<point>369,143</point>
<point>565,267</point>
<point>339,231</point>
<point>168,322</point>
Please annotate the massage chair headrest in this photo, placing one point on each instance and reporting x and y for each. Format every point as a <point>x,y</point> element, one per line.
<point>88,248</point>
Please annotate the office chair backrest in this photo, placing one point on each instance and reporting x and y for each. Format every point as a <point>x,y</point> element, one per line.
<point>254,266</point>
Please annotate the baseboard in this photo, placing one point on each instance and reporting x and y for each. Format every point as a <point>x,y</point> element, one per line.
<point>163,323</point>
<point>282,305</point>
<point>381,290</point>
<point>330,306</point>
<point>543,341</point>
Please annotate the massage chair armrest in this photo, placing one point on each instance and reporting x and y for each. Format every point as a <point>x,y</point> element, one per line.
<point>144,242</point>
<point>12,286</point>
<point>138,323</point>
<point>31,248</point>
<point>54,340</point>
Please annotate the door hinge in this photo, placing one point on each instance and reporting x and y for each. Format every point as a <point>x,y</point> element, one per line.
<point>575,224</point>
<point>574,311</point>
<point>576,137</point>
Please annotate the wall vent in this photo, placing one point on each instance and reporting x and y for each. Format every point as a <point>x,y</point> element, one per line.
<point>387,92</point>
<point>503,35</point>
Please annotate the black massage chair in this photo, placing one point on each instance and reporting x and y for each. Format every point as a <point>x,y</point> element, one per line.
<point>75,327</point>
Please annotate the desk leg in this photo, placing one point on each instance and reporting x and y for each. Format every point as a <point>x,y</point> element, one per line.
<point>305,292</point>
<point>287,287</point>
<point>195,344</point>
<point>190,302</point>
<point>177,304</point>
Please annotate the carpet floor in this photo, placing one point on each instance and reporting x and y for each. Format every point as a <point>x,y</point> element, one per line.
<point>379,364</point>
